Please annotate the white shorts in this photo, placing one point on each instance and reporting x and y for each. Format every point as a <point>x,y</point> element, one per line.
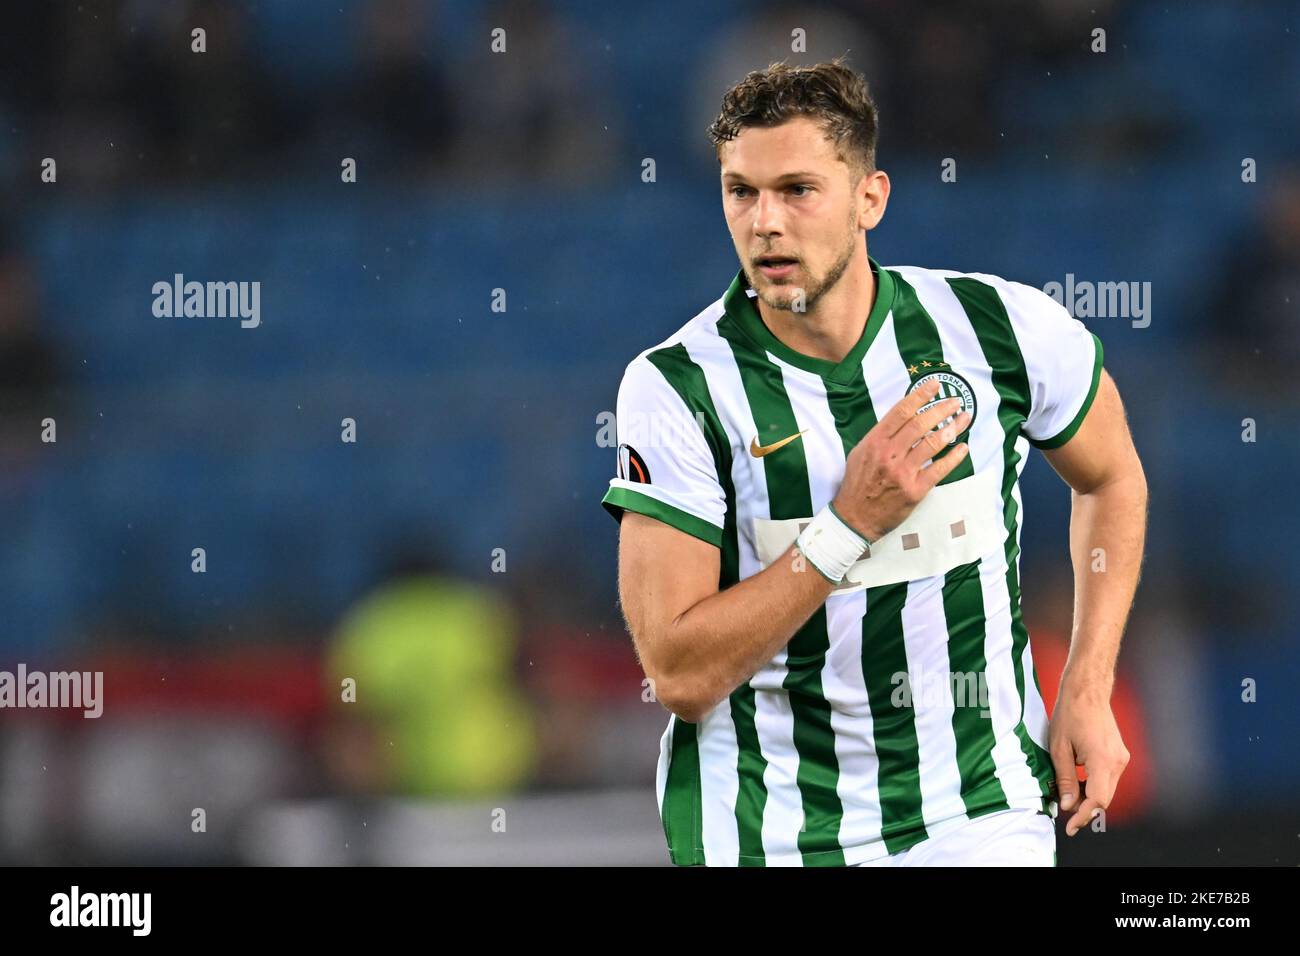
<point>1014,837</point>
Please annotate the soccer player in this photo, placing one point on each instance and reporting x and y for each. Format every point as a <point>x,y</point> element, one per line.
<point>820,522</point>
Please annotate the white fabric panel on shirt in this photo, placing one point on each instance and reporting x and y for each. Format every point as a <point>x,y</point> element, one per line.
<point>719,786</point>
<point>931,524</point>
<point>925,636</point>
<point>1036,720</point>
<point>661,768</point>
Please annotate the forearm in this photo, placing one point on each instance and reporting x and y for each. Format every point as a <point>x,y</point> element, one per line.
<point>1107,536</point>
<point>723,640</point>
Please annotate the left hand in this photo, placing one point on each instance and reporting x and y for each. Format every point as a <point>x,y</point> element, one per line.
<point>1083,733</point>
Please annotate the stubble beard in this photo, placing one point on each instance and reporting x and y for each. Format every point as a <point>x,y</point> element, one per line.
<point>812,292</point>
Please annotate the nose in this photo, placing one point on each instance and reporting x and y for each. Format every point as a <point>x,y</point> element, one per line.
<point>767,215</point>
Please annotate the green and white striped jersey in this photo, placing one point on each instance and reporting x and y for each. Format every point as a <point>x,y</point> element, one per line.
<point>908,702</point>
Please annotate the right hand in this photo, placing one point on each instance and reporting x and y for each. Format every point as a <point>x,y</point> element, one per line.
<point>885,476</point>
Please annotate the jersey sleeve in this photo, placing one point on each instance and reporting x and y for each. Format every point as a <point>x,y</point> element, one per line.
<point>665,466</point>
<point>1062,363</point>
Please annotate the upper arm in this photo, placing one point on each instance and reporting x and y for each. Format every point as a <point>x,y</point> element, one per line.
<point>1101,449</point>
<point>668,498</point>
<point>662,573</point>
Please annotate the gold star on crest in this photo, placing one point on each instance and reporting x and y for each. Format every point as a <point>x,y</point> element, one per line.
<point>912,370</point>
<point>926,364</point>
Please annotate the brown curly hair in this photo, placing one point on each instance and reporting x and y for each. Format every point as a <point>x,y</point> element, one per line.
<point>831,92</point>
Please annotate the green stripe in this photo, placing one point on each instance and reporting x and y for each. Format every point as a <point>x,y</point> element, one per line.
<point>988,317</point>
<point>683,797</point>
<point>688,380</point>
<point>751,795</point>
<point>884,654</point>
<point>922,354</point>
<point>617,500</point>
<point>682,793</point>
<point>789,496</point>
<point>963,608</point>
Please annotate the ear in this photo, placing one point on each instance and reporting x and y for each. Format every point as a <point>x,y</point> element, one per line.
<point>873,197</point>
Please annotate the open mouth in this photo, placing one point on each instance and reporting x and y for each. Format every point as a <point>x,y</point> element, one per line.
<point>776,267</point>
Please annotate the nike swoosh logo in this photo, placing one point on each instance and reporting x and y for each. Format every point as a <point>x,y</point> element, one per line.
<point>758,451</point>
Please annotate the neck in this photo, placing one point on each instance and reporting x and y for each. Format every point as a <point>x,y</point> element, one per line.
<point>835,322</point>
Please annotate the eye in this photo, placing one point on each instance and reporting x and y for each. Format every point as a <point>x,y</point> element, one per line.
<point>738,190</point>
<point>801,186</point>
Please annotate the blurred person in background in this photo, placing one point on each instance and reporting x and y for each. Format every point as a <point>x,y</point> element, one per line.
<point>401,102</point>
<point>437,711</point>
<point>1254,309</point>
<point>534,112</point>
<point>216,115</point>
<point>589,691</point>
<point>29,373</point>
<point>937,66</point>
<point>124,98</point>
<point>764,36</point>
<point>75,95</point>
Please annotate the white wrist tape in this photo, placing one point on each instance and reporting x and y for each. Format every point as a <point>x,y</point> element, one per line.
<point>831,546</point>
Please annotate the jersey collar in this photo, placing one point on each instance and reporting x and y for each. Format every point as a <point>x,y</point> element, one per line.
<point>743,311</point>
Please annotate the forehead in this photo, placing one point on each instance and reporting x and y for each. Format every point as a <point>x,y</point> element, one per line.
<point>798,143</point>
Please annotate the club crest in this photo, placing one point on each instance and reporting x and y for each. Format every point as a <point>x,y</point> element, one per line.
<point>951,385</point>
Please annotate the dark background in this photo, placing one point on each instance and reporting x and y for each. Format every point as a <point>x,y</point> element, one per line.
<point>499,713</point>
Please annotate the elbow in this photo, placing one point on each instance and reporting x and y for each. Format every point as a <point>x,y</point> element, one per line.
<point>1138,481</point>
<point>1138,475</point>
<point>682,686</point>
<point>684,697</point>
<point>1128,482</point>
<point>673,684</point>
<point>693,712</point>
<point>689,714</point>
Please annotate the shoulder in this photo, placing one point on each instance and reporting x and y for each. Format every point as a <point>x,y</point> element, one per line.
<point>1019,298</point>
<point>1025,305</point>
<point>695,343</point>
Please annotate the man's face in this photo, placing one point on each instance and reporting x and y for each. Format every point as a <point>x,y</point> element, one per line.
<point>787,197</point>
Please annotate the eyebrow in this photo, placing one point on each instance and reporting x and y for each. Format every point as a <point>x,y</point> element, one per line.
<point>780,179</point>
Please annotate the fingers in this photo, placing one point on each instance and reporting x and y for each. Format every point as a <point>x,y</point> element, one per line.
<point>925,421</point>
<point>933,442</point>
<point>1099,791</point>
<point>1067,778</point>
<point>1090,807</point>
<point>942,468</point>
<point>905,408</point>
